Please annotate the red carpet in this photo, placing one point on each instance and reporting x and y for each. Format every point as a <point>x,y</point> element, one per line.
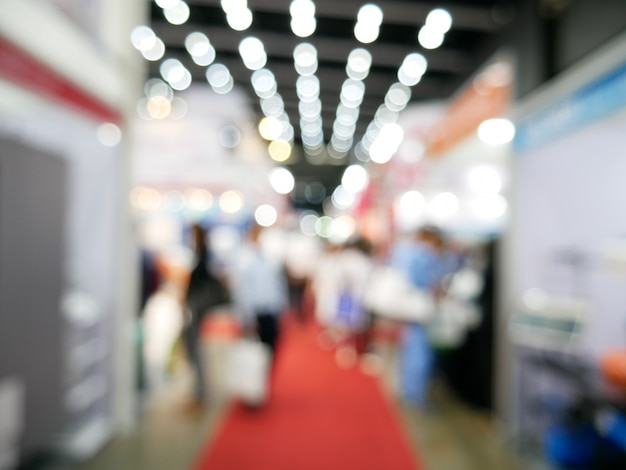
<point>319,417</point>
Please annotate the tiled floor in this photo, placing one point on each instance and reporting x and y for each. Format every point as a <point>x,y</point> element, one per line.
<point>450,437</point>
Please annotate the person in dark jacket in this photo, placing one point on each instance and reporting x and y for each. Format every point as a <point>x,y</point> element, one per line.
<point>204,291</point>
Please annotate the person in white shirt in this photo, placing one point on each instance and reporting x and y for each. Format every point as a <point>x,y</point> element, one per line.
<point>259,289</point>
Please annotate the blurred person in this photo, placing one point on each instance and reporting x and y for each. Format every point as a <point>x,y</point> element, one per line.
<point>260,289</point>
<point>162,324</point>
<point>424,261</point>
<point>354,265</point>
<point>203,292</point>
<point>301,256</point>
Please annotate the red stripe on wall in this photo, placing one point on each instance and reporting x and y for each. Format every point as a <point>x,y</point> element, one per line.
<point>21,68</point>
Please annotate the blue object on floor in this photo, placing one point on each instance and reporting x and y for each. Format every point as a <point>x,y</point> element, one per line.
<point>571,446</point>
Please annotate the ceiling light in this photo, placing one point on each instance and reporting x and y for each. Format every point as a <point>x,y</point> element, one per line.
<point>305,59</point>
<point>179,108</point>
<point>219,78</point>
<point>307,224</point>
<point>440,20</point>
<point>265,215</point>
<point>270,128</point>
<point>230,6</point>
<point>430,38</point>
<point>197,44</point>
<point>344,227</point>
<point>302,9</point>
<point>264,83</point>
<point>231,202</point>
<point>397,97</point>
<point>303,27</point>
<point>324,226</point>
<point>385,116</point>
<point>142,38</point>
<point>205,59</point>
<point>370,14</point>
<point>158,107</point>
<point>165,4</point>
<point>408,209</point>
<point>183,82</point>
<point>230,136</point>
<point>496,131</point>
<point>310,109</point>
<point>199,199</point>
<point>343,130</point>
<point>352,92</point>
<point>341,144</point>
<point>369,19</point>
<point>252,53</point>
<point>172,70</point>
<point>359,63</point>
<point>156,52</point>
<point>341,198</point>
<point>239,20</point>
<point>313,141</point>
<point>279,150</point>
<point>366,33</point>
<point>157,87</point>
<point>272,106</point>
<point>282,180</point>
<point>109,134</point>
<point>354,179</point>
<point>413,67</point>
<point>346,115</point>
<point>178,14</point>
<point>308,87</point>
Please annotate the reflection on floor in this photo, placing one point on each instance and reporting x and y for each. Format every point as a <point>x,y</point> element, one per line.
<point>450,437</point>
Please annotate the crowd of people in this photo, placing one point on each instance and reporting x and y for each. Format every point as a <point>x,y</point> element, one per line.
<point>321,282</point>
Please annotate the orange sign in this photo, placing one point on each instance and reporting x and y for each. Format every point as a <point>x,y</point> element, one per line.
<point>487,97</point>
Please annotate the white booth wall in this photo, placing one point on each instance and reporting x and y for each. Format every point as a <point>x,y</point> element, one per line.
<point>567,200</point>
<point>87,47</point>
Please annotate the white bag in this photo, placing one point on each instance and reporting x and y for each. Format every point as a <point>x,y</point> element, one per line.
<point>248,369</point>
<point>391,295</point>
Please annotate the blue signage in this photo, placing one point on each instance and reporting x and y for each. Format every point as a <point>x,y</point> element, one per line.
<point>595,100</point>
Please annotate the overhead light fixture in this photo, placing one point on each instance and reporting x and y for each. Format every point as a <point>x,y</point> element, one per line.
<point>197,43</point>
<point>367,27</point>
<point>142,38</point>
<point>440,20</point>
<point>219,78</point>
<point>273,106</point>
<point>303,21</point>
<point>264,83</point>
<point>252,53</point>
<point>412,69</point>
<point>432,34</point>
<point>282,180</point>
<point>305,58</point>
<point>238,15</point>
<point>496,131</point>
<point>178,14</point>
<point>355,178</point>
<point>156,52</point>
<point>359,63</point>
<point>397,97</point>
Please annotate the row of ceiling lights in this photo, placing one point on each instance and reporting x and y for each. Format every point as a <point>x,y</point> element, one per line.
<point>383,135</point>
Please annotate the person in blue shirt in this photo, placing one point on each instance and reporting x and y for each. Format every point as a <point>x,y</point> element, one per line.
<point>421,260</point>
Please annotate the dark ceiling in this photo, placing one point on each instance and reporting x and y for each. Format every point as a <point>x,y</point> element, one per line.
<point>474,36</point>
